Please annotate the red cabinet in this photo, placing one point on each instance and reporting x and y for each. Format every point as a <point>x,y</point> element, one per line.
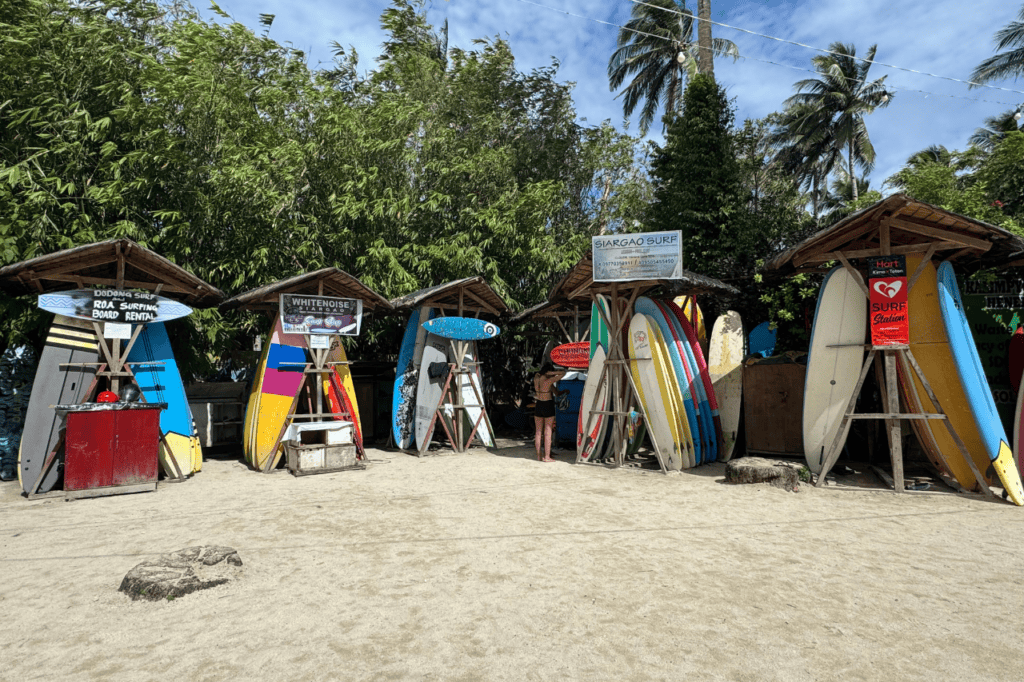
<point>106,448</point>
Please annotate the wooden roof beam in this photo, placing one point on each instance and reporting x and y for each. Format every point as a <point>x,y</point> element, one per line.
<point>486,306</point>
<point>830,245</point>
<point>909,225</point>
<point>867,253</point>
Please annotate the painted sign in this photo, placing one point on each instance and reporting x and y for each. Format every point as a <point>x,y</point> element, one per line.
<point>113,305</point>
<point>301,314</point>
<point>995,309</point>
<point>640,256</point>
<point>887,281</point>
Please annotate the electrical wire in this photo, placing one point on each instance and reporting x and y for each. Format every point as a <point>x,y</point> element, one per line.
<point>832,52</point>
<point>788,66</point>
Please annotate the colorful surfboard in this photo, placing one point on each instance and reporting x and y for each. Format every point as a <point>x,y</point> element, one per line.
<point>346,402</point>
<point>461,328</point>
<point>68,303</point>
<point>69,341</point>
<point>278,381</point>
<point>976,388</point>
<point>180,452</point>
<point>656,390</point>
<point>705,387</point>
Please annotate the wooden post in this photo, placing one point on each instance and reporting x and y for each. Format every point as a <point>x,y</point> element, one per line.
<point>895,441</point>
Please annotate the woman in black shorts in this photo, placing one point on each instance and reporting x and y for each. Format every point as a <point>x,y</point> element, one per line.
<point>544,412</point>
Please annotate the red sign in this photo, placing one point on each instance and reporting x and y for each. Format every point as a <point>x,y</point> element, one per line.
<point>887,280</point>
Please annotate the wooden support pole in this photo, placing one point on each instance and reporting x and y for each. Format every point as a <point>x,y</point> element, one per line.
<point>895,440</point>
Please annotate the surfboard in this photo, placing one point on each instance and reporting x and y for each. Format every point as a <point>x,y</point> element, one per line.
<point>976,388</point>
<point>930,346</point>
<point>69,304</point>
<point>428,390</point>
<point>655,390</point>
<point>725,371</point>
<point>692,449</point>
<point>703,387</point>
<point>762,340</point>
<point>347,399</point>
<point>695,316</point>
<point>590,429</point>
<point>1015,358</point>
<point>403,399</point>
<point>461,328</point>
<point>834,362</point>
<point>181,453</point>
<point>280,379</point>
<point>574,355</point>
<point>475,405</point>
<point>69,340</point>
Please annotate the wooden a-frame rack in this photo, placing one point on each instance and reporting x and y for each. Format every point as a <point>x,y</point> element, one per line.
<point>619,378</point>
<point>888,383</point>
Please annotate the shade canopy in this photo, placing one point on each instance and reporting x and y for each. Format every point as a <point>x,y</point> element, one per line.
<point>119,263</point>
<point>326,282</point>
<point>472,294</point>
<point>900,224</point>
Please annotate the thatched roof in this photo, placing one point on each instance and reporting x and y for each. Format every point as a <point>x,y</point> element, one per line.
<point>472,294</point>
<point>552,310</point>
<point>910,226</point>
<point>117,263</point>
<point>325,282</point>
<point>579,283</point>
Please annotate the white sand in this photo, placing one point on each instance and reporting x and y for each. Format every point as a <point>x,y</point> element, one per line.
<point>492,566</point>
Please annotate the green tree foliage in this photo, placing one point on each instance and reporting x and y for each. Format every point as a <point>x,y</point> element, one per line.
<point>698,180</point>
<point>1010,62</point>
<point>221,149</point>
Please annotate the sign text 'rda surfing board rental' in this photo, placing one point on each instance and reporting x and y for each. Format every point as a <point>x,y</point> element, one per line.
<point>301,314</point>
<point>887,281</point>
<point>117,306</point>
<point>640,256</point>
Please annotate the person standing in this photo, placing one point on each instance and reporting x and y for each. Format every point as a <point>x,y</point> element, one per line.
<point>544,413</point>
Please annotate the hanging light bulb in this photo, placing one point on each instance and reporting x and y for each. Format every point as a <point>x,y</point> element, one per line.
<point>681,57</point>
<point>1016,116</point>
<point>885,97</point>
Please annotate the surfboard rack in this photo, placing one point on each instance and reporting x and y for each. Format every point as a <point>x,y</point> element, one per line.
<point>884,359</point>
<point>620,380</point>
<point>460,368</point>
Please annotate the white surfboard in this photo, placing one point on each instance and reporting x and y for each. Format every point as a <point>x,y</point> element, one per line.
<point>474,399</point>
<point>725,365</point>
<point>590,433</point>
<point>834,362</point>
<point>428,392</point>
<point>656,390</point>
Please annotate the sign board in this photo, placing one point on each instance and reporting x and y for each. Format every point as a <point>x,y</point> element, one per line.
<point>113,305</point>
<point>301,314</point>
<point>117,330</point>
<point>639,256</point>
<point>320,341</point>
<point>887,281</point>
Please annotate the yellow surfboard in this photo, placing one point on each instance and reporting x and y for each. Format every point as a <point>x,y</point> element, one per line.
<point>696,317</point>
<point>930,345</point>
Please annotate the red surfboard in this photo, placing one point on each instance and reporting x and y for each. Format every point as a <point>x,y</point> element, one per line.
<point>1016,357</point>
<point>575,355</point>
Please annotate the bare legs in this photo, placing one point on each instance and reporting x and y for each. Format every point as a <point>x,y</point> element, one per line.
<point>544,426</point>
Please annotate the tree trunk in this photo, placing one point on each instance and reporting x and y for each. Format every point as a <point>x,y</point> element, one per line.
<point>814,195</point>
<point>853,178</point>
<point>705,58</point>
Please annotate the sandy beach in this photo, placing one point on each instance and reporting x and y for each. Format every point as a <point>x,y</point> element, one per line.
<point>493,566</point>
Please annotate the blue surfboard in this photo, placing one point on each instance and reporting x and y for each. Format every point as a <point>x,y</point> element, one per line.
<point>646,306</point>
<point>462,328</point>
<point>762,340</point>
<point>976,387</point>
<point>161,383</point>
<point>403,400</point>
<point>69,303</point>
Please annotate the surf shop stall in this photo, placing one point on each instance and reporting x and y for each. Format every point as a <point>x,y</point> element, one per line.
<point>892,304</point>
<point>647,372</point>
<point>108,411</point>
<point>302,404</point>
<point>439,377</point>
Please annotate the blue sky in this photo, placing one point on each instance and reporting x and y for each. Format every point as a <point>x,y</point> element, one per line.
<point>937,36</point>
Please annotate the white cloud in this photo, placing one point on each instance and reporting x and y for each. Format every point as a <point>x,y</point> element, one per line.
<point>938,36</point>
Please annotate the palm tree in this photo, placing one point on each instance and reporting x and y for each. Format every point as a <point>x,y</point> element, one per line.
<point>1008,64</point>
<point>994,130</point>
<point>657,45</point>
<point>840,100</point>
<point>705,61</point>
<point>805,147</point>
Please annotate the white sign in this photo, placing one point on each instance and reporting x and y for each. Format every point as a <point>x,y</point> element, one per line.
<point>301,314</point>
<point>319,341</point>
<point>639,256</point>
<point>117,330</point>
